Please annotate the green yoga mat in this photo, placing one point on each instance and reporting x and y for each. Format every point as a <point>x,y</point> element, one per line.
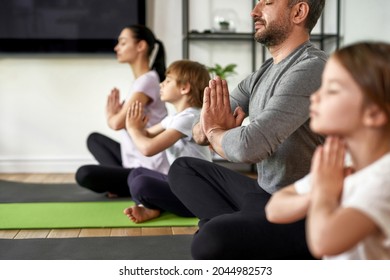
<point>78,215</point>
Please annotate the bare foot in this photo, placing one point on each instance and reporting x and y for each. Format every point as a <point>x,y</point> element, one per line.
<point>139,213</point>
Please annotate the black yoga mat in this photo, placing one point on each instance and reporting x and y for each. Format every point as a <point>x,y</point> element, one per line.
<point>16,192</point>
<point>172,247</point>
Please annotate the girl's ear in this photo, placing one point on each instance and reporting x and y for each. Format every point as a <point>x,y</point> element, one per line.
<point>374,116</point>
<point>185,88</point>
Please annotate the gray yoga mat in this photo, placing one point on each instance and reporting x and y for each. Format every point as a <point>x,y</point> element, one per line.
<point>17,192</point>
<point>172,247</point>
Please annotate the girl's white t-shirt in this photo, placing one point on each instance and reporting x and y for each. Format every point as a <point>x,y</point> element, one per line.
<point>368,191</point>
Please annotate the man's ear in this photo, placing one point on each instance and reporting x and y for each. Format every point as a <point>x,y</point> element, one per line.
<point>374,116</point>
<point>300,12</point>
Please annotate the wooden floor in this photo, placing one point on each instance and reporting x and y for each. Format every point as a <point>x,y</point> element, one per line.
<point>79,232</point>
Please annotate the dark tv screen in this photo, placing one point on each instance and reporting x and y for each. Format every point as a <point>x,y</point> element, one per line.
<point>66,26</point>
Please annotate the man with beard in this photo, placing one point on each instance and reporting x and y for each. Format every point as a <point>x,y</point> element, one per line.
<point>278,139</point>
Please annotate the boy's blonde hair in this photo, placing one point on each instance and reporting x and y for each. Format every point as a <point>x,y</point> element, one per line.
<point>194,73</point>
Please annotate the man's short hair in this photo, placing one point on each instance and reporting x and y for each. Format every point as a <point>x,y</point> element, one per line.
<point>315,10</point>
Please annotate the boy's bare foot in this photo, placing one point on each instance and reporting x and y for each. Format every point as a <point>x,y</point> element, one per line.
<point>139,213</point>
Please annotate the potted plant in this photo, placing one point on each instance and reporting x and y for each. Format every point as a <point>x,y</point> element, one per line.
<point>222,72</point>
<point>224,25</point>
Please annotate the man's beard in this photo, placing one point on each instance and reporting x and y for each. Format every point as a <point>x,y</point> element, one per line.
<point>274,33</point>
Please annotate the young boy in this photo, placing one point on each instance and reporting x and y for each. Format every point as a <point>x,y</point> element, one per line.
<point>183,88</point>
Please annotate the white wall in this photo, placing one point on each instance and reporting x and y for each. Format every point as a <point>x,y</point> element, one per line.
<point>366,20</point>
<point>49,104</point>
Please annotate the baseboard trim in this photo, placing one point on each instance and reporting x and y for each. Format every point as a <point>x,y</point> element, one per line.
<point>42,165</point>
<point>71,164</point>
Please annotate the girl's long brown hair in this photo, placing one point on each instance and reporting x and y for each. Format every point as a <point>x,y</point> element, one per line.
<point>369,65</point>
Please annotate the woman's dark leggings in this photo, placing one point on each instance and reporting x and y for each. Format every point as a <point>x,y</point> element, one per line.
<point>109,175</point>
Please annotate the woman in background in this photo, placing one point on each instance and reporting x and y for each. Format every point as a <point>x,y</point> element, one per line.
<point>138,47</point>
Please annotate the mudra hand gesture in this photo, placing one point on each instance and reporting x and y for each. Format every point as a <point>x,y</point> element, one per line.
<point>216,112</point>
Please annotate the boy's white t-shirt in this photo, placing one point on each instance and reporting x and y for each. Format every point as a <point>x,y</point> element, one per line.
<point>186,146</point>
<point>368,191</point>
<point>149,84</point>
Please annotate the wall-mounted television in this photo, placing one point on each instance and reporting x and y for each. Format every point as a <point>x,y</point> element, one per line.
<point>66,26</point>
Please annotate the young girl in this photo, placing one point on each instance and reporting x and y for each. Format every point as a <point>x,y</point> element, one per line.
<point>348,215</point>
<point>138,47</point>
<point>183,88</point>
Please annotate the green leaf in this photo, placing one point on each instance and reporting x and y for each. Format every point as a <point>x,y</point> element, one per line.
<point>222,72</point>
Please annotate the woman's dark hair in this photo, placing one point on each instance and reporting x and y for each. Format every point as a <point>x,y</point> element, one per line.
<point>141,32</point>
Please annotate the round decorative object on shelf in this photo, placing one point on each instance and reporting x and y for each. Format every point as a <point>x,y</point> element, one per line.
<point>224,20</point>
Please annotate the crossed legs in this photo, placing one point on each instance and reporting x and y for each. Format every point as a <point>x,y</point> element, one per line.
<point>232,217</point>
